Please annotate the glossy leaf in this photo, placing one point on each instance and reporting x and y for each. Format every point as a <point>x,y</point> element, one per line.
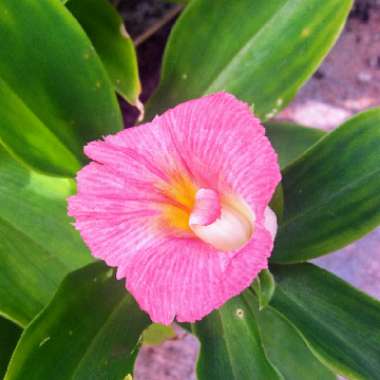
<point>51,75</point>
<point>106,30</point>
<point>339,323</point>
<point>261,51</point>
<point>230,345</point>
<point>91,330</point>
<point>332,192</point>
<point>9,335</point>
<point>286,348</point>
<point>264,287</point>
<point>38,245</point>
<point>291,140</point>
<point>21,132</point>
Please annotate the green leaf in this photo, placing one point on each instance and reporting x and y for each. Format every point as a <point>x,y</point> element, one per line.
<point>291,140</point>
<point>339,323</point>
<point>106,30</point>
<point>261,51</point>
<point>51,76</point>
<point>230,344</point>
<point>332,192</point>
<point>286,348</point>
<point>91,330</point>
<point>156,334</point>
<point>277,202</point>
<point>9,335</point>
<point>21,132</point>
<point>264,287</point>
<point>38,245</point>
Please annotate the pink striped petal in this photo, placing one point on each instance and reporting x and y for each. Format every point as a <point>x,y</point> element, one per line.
<point>176,282</point>
<point>148,186</point>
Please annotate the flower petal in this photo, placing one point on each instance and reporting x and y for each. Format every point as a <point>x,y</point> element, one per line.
<point>143,173</point>
<point>221,142</point>
<point>188,279</point>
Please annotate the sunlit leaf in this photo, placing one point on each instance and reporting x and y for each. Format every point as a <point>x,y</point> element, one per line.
<point>55,94</point>
<point>261,51</point>
<point>38,245</point>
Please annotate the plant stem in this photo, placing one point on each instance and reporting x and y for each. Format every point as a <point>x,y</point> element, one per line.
<point>158,25</point>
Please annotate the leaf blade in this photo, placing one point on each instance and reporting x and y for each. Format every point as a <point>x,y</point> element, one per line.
<point>340,323</point>
<point>222,334</point>
<point>32,208</point>
<point>56,158</point>
<point>115,47</point>
<point>9,335</point>
<point>254,49</point>
<point>291,140</point>
<point>59,79</point>
<point>331,192</point>
<point>83,332</point>
<point>285,347</point>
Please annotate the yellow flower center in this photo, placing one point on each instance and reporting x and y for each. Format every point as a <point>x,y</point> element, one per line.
<point>232,229</point>
<point>181,200</point>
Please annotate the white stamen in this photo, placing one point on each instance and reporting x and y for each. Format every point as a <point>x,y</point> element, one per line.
<point>230,231</point>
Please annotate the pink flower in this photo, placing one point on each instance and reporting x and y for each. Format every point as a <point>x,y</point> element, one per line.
<point>180,206</point>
